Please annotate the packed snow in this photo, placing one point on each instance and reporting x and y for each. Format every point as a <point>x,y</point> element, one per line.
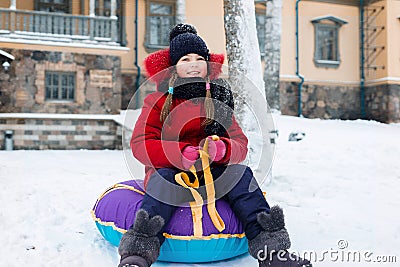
<point>338,186</point>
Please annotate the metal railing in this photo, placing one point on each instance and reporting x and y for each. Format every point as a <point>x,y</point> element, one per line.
<point>58,26</point>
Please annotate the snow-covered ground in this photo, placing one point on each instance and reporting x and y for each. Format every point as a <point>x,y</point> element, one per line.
<point>339,187</point>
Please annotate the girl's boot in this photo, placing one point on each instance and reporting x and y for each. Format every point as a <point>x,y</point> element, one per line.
<point>270,246</point>
<point>140,246</point>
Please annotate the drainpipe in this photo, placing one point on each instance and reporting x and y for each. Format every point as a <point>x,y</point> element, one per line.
<point>300,85</point>
<point>362,59</point>
<point>137,51</point>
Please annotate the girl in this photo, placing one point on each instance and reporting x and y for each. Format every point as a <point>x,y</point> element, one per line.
<point>190,107</point>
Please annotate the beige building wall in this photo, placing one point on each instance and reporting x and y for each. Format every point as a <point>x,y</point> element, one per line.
<point>208,17</point>
<point>378,19</point>
<point>24,5</point>
<point>76,7</point>
<point>142,53</point>
<point>86,8</point>
<point>127,61</point>
<point>348,70</point>
<point>5,4</point>
<point>288,41</point>
<point>393,40</point>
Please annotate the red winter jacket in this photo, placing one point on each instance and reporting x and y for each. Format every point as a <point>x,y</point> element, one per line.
<point>160,146</point>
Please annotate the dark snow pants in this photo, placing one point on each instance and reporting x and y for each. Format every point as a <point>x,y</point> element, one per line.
<point>233,183</point>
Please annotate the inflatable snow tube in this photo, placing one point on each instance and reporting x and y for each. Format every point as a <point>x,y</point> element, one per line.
<point>115,211</point>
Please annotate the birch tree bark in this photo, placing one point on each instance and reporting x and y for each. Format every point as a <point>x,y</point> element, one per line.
<point>242,48</point>
<point>273,52</point>
<point>180,11</point>
<point>246,79</point>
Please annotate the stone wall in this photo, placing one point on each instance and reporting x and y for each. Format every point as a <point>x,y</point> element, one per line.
<point>382,102</point>
<point>128,89</point>
<point>321,101</point>
<point>35,132</point>
<point>131,98</point>
<point>97,85</point>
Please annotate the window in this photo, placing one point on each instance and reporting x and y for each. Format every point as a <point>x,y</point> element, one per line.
<point>60,86</point>
<point>103,8</point>
<point>260,24</point>
<point>58,6</point>
<point>326,52</point>
<point>327,43</point>
<point>160,20</point>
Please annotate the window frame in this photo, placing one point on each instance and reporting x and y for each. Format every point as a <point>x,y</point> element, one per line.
<point>59,89</point>
<point>153,47</point>
<point>100,8</point>
<point>331,23</point>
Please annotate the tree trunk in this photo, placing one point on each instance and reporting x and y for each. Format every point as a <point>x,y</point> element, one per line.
<point>272,52</point>
<point>242,50</point>
<point>180,11</point>
<point>246,79</point>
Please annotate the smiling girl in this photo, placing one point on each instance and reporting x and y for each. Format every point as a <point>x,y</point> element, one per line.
<point>189,108</point>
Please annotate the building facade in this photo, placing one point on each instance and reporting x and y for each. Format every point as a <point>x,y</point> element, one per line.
<point>339,60</point>
<point>348,57</point>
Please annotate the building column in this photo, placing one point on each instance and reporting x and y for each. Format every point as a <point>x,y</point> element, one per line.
<point>113,8</point>
<point>13,7</point>
<point>13,4</point>
<point>114,21</point>
<point>92,8</point>
<point>92,22</point>
<point>180,11</point>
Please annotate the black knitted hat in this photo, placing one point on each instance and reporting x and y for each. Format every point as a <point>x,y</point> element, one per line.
<point>184,40</point>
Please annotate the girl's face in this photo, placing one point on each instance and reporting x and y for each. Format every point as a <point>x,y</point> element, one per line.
<point>191,65</point>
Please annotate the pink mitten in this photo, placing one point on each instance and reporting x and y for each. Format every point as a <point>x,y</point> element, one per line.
<point>216,149</point>
<point>189,156</point>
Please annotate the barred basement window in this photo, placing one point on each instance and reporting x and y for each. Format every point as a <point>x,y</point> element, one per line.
<point>60,86</point>
<point>159,21</point>
<point>326,52</point>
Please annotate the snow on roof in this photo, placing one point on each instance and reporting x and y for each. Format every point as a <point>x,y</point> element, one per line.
<point>331,18</point>
<point>7,55</point>
<point>15,39</point>
<point>57,116</point>
<point>126,118</point>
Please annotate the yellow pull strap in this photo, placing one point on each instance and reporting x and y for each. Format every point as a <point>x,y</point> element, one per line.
<point>209,182</point>
<point>196,205</point>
